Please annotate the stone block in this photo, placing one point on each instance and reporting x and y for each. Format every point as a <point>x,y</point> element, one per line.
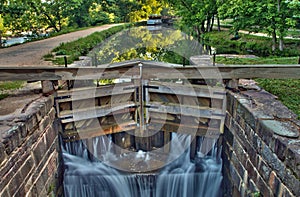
<point>275,184</point>
<point>252,186</point>
<point>39,150</point>
<point>227,120</point>
<point>280,148</point>
<point>293,157</point>
<point>263,169</point>
<point>31,123</point>
<point>263,188</point>
<point>15,183</point>
<point>236,178</point>
<point>45,123</point>
<point>3,155</point>
<point>240,152</point>
<point>52,114</point>
<point>291,182</point>
<point>264,132</point>
<point>252,171</point>
<point>286,192</point>
<point>4,192</point>
<point>273,161</point>
<point>49,101</point>
<point>228,136</point>
<point>237,164</point>
<point>11,139</point>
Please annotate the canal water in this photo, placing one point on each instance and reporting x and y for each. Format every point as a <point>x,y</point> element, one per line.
<point>149,43</point>
<point>86,175</point>
<point>94,168</point>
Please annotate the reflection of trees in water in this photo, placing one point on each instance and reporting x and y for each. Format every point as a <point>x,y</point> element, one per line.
<point>166,45</point>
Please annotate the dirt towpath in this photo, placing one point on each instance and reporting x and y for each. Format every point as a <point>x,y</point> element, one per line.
<point>31,54</point>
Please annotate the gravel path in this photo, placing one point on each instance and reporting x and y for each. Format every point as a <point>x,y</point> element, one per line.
<point>31,54</point>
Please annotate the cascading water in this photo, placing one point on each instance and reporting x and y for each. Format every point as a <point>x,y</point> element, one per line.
<point>85,175</point>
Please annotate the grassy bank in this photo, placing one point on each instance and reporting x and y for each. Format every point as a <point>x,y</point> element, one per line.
<point>249,44</point>
<point>6,86</point>
<point>287,90</point>
<point>73,50</point>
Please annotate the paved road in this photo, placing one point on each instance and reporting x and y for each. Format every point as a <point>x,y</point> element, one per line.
<point>31,54</point>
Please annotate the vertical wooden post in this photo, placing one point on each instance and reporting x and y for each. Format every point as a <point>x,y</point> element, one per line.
<point>141,100</point>
<point>166,141</point>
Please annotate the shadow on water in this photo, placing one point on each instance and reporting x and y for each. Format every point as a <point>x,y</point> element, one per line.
<point>148,43</point>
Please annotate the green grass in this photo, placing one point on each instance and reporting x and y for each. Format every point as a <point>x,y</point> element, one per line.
<point>249,44</point>
<point>287,90</point>
<point>260,60</point>
<point>9,85</point>
<point>73,50</point>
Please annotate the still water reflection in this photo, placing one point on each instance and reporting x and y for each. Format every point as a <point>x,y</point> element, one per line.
<point>148,43</point>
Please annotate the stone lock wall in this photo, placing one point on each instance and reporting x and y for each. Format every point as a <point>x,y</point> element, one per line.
<point>261,146</point>
<point>28,151</point>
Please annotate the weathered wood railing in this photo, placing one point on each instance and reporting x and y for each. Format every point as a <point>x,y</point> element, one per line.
<point>150,70</point>
<point>149,102</point>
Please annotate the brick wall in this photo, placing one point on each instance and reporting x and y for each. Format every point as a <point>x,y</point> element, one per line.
<point>261,146</point>
<point>28,151</point>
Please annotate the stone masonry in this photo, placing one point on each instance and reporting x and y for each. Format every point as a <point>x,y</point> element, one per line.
<point>28,151</point>
<point>262,146</point>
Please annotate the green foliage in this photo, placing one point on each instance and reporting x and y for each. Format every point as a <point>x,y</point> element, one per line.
<point>273,17</point>
<point>55,15</point>
<point>195,15</point>
<point>248,44</point>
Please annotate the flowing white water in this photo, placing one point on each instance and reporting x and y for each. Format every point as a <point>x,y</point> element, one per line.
<point>84,177</point>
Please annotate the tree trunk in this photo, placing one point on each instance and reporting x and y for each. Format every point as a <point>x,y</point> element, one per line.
<point>218,21</point>
<point>274,40</point>
<point>281,33</point>
<point>203,27</point>
<point>212,23</point>
<point>281,45</point>
<point>208,24</point>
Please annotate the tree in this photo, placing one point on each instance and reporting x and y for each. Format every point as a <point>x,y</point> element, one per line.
<point>196,16</point>
<point>273,16</point>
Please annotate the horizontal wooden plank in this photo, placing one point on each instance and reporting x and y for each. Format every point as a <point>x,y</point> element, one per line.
<point>97,111</point>
<point>195,111</point>
<point>94,92</point>
<point>187,90</point>
<point>150,70</point>
<point>185,129</point>
<point>99,131</point>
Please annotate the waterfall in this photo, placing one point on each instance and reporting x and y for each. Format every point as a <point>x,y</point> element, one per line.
<point>86,175</point>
